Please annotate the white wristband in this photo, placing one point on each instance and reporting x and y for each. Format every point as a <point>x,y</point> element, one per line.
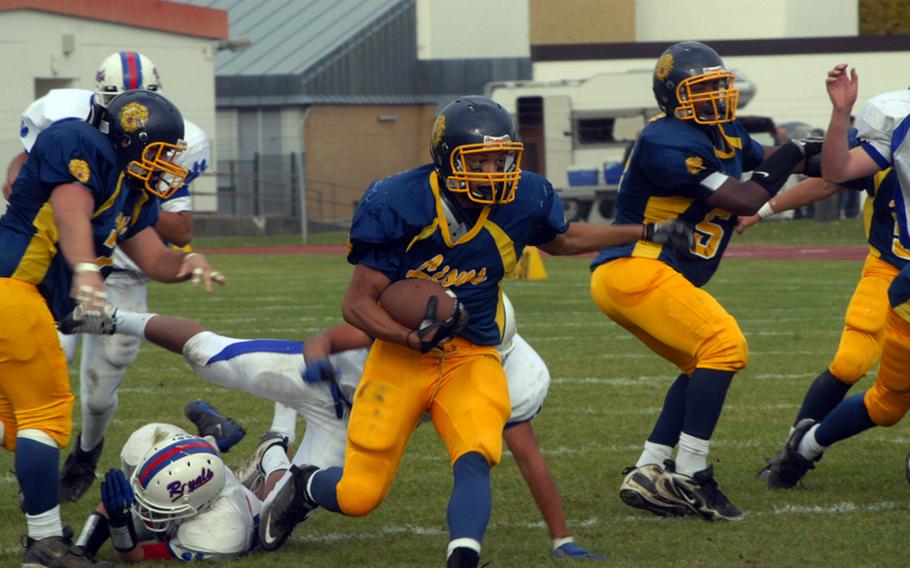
<point>85,267</point>
<point>557,542</point>
<point>765,210</point>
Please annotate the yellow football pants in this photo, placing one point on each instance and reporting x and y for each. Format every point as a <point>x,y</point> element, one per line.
<point>864,323</point>
<point>675,319</point>
<point>463,387</point>
<point>34,383</point>
<point>889,398</point>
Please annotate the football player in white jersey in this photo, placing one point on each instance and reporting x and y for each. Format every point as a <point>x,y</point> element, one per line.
<point>317,379</point>
<point>173,498</point>
<point>105,359</point>
<point>883,124</point>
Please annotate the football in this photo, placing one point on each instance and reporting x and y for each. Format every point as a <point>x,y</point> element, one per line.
<point>406,301</point>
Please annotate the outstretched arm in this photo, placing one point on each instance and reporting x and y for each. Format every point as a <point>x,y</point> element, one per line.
<point>523,444</point>
<point>585,237</point>
<point>805,192</point>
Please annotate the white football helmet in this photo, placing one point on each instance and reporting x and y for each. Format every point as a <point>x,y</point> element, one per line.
<point>508,329</point>
<point>125,71</point>
<point>176,479</point>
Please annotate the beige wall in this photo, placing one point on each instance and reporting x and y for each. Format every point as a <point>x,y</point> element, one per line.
<point>347,147</point>
<point>581,21</point>
<point>32,48</point>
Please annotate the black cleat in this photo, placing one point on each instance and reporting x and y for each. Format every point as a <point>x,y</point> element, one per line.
<point>463,557</point>
<point>58,552</point>
<point>288,506</point>
<point>78,472</point>
<point>639,490</point>
<point>210,422</point>
<point>250,473</point>
<point>699,492</point>
<point>789,466</point>
<point>83,320</point>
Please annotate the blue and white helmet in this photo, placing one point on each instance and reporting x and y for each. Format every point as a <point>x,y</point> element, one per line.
<point>176,479</point>
<point>125,71</point>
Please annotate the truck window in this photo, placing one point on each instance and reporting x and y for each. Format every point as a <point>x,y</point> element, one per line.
<point>607,130</point>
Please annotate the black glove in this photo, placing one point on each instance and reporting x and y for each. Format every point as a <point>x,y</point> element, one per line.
<point>676,234</point>
<point>117,497</point>
<point>808,147</point>
<point>433,331</point>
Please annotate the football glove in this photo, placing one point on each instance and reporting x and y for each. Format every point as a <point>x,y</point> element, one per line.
<point>572,550</point>
<point>433,332</point>
<point>117,497</point>
<point>89,320</point>
<point>318,371</point>
<point>676,234</point>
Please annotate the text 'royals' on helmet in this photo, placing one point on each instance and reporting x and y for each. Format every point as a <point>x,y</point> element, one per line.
<point>147,132</point>
<point>125,71</point>
<point>176,479</point>
<point>474,125</point>
<point>691,83</point>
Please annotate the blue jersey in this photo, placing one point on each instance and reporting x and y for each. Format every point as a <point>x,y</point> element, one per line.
<point>404,229</point>
<point>880,219</point>
<point>663,180</point>
<point>72,152</point>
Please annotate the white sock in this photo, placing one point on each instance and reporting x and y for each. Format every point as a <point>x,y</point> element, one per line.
<point>463,543</point>
<point>275,459</point>
<point>132,323</point>
<point>284,421</point>
<point>654,453</point>
<point>809,447</point>
<point>44,525</point>
<point>692,455</point>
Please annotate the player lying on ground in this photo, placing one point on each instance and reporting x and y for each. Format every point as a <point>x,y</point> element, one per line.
<point>174,498</point>
<point>318,378</point>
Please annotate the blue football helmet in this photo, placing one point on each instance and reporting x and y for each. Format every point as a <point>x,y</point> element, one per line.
<point>691,83</point>
<point>147,132</point>
<point>474,125</point>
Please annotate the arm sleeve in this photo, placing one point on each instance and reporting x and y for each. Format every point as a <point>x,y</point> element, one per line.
<point>874,127</point>
<point>378,235</point>
<point>552,221</point>
<point>676,170</point>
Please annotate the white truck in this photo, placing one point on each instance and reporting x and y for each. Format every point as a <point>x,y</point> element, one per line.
<point>576,132</point>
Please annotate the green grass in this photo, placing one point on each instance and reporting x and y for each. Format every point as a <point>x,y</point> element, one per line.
<point>605,395</point>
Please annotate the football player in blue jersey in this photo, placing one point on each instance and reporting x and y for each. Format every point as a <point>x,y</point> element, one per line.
<point>687,165</point>
<point>83,190</point>
<point>882,124</point>
<point>462,221</point>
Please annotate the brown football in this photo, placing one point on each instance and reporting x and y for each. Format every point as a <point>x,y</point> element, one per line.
<point>406,301</point>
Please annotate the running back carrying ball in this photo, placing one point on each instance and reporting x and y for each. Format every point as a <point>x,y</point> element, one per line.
<point>407,300</point>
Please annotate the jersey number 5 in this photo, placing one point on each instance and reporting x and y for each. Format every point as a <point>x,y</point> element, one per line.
<point>709,234</point>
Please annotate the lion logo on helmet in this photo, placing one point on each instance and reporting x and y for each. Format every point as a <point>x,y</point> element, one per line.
<point>664,66</point>
<point>133,117</point>
<point>439,128</point>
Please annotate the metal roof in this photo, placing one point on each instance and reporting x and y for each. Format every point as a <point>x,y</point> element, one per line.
<point>292,37</point>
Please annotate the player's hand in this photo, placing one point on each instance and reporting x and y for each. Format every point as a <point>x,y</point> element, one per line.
<point>745,222</point>
<point>95,322</point>
<point>572,550</point>
<point>842,88</point>
<point>318,371</point>
<point>808,147</point>
<point>197,268</point>
<point>434,332</point>
<point>88,287</point>
<point>117,498</point>
<point>676,234</point>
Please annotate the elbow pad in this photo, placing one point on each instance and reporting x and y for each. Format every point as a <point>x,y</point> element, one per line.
<point>774,171</point>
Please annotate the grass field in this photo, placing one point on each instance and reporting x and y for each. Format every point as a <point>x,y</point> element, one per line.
<point>605,395</point>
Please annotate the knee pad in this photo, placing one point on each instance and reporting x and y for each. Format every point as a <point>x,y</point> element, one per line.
<point>727,350</point>
<point>371,426</point>
<point>886,407</point>
<point>120,350</point>
<point>853,360</point>
<point>52,424</point>
<point>364,485</point>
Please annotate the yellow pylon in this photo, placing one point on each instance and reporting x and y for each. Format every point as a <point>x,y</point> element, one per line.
<point>530,265</point>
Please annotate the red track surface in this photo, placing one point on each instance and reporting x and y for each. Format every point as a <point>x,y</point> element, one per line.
<point>767,252</point>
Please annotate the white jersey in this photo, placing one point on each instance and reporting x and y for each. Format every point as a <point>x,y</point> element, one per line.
<point>76,104</point>
<point>224,530</point>
<point>882,126</point>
